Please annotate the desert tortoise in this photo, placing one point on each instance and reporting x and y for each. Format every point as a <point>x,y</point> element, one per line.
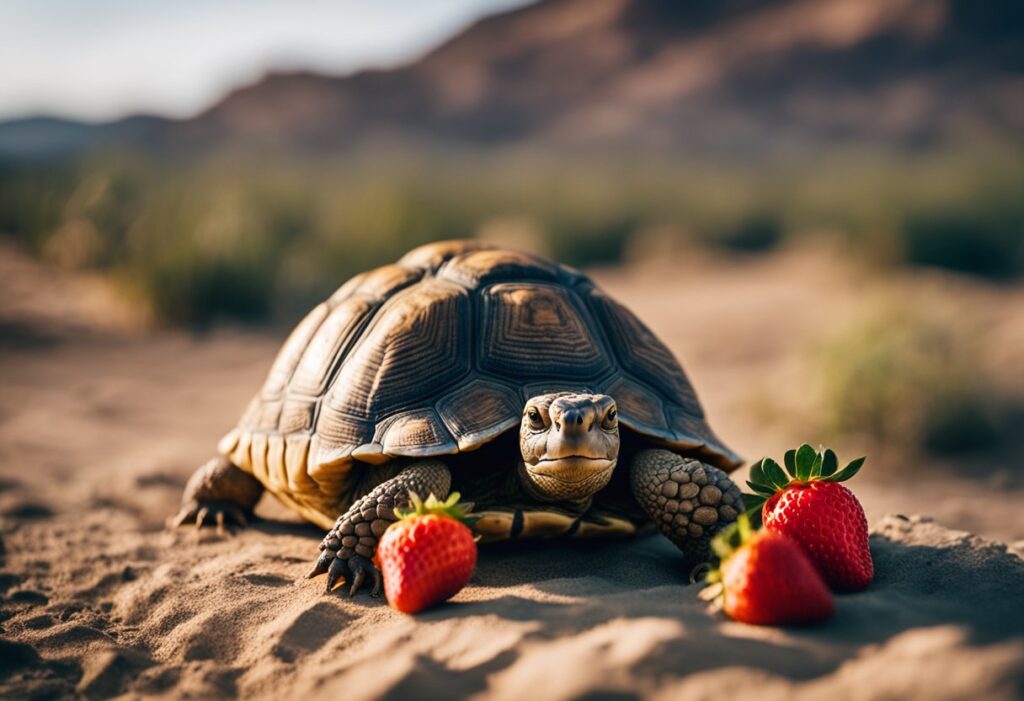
<point>412,377</point>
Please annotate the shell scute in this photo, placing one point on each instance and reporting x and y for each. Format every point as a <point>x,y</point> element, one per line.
<point>538,331</point>
<point>417,345</point>
<point>288,357</point>
<point>432,256</point>
<point>641,353</point>
<point>416,433</point>
<point>479,411</point>
<point>479,268</point>
<point>327,345</point>
<point>297,415</point>
<point>639,407</point>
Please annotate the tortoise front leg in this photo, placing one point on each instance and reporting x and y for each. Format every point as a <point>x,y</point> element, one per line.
<point>688,500</point>
<point>347,549</point>
<point>216,492</point>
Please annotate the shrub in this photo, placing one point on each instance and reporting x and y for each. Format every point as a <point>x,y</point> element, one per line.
<point>985,242</point>
<point>754,232</point>
<point>911,379</point>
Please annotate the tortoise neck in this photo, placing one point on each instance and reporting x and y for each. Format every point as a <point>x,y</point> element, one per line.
<point>526,486</point>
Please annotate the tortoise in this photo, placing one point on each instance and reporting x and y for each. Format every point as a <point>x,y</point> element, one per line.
<point>412,377</point>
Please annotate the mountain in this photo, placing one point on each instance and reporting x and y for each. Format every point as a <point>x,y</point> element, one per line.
<point>44,137</point>
<point>720,75</point>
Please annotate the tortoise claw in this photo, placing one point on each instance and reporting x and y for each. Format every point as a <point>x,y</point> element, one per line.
<point>361,567</point>
<point>378,584</point>
<point>238,516</point>
<point>224,516</point>
<point>354,569</point>
<point>186,514</point>
<point>357,581</point>
<point>322,564</point>
<point>334,573</point>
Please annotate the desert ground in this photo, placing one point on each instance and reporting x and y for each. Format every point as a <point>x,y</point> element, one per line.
<point>101,423</point>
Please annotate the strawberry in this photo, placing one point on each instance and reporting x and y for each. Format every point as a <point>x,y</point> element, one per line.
<point>766,578</point>
<point>811,507</point>
<point>428,555</point>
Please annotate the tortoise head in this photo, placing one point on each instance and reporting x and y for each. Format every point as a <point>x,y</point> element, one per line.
<point>570,443</point>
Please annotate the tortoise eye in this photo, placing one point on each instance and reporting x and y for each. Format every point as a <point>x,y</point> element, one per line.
<point>534,416</point>
<point>610,417</point>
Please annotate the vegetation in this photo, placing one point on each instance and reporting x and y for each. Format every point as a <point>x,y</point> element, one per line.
<point>249,237</point>
<point>913,378</point>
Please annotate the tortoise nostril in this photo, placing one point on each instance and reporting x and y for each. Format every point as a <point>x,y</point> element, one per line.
<point>579,420</point>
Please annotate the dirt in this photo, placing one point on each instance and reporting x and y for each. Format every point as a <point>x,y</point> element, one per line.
<point>101,424</point>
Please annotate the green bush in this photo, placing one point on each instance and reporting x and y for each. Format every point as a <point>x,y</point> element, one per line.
<point>32,202</point>
<point>754,232</point>
<point>987,242</point>
<point>911,379</point>
<point>581,242</point>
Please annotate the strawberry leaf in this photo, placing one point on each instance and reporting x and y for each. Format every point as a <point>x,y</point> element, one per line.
<point>829,463</point>
<point>757,473</point>
<point>752,502</point>
<point>816,466</point>
<point>805,455</point>
<point>847,472</point>
<point>776,477</point>
<point>721,547</point>
<point>725,543</point>
<point>450,507</point>
<point>761,489</point>
<point>790,459</point>
<point>732,536</point>
<point>743,523</point>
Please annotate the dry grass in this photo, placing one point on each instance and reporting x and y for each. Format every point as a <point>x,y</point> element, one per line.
<point>918,367</point>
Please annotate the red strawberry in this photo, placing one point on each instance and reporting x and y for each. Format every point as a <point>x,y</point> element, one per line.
<point>767,579</point>
<point>428,555</point>
<point>810,506</point>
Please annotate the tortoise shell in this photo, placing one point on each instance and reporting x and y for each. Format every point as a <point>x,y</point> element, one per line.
<point>436,355</point>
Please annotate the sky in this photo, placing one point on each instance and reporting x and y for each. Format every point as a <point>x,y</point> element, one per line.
<point>102,59</point>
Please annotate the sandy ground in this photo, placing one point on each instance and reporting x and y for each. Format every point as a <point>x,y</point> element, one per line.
<point>100,428</point>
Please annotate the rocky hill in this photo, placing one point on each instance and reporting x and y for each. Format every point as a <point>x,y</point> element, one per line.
<point>726,76</point>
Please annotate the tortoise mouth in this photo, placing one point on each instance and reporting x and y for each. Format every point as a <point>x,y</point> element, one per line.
<point>571,468</point>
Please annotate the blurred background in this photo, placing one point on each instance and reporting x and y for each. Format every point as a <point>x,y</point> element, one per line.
<point>818,204</point>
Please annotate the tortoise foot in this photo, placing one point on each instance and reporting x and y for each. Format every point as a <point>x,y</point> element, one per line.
<point>225,515</point>
<point>689,501</point>
<point>218,493</point>
<point>347,549</point>
<point>354,569</point>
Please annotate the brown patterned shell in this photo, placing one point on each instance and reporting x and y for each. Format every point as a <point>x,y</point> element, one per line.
<point>435,355</point>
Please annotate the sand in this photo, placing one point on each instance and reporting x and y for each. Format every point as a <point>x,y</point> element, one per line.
<point>100,428</point>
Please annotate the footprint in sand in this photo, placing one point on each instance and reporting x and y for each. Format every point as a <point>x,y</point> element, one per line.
<point>71,635</point>
<point>15,657</point>
<point>29,597</point>
<point>267,579</point>
<point>310,630</point>
<point>28,510</point>
<point>106,671</point>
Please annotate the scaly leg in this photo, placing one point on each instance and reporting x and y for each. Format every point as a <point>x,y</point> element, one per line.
<point>347,549</point>
<point>216,492</point>
<point>689,501</point>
